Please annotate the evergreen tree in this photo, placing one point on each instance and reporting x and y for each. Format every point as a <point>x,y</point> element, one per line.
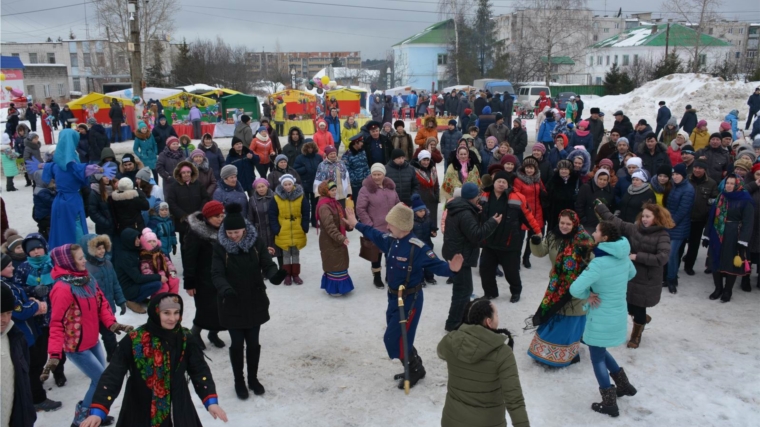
<point>462,63</point>
<point>612,81</point>
<point>182,74</point>
<point>154,74</point>
<point>484,34</point>
<point>336,62</point>
<point>670,64</point>
<point>626,84</point>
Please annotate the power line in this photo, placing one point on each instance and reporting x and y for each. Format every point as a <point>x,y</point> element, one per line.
<point>50,8</point>
<point>311,15</point>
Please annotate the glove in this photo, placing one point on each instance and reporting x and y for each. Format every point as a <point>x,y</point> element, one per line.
<point>598,202</point>
<point>109,170</point>
<point>229,293</point>
<point>535,239</point>
<point>49,367</point>
<point>33,165</point>
<point>174,249</point>
<point>705,243</point>
<point>278,277</point>
<point>118,328</point>
<point>41,291</point>
<point>123,308</point>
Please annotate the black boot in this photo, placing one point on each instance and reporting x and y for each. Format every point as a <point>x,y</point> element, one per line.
<point>727,290</point>
<point>526,261</point>
<point>252,355</point>
<point>377,280</point>
<point>196,331</point>
<point>416,370</point>
<point>718,282</point>
<point>28,181</point>
<point>608,405</point>
<point>237,360</point>
<point>9,185</point>
<point>624,388</point>
<point>746,286</point>
<point>214,339</point>
<point>672,286</point>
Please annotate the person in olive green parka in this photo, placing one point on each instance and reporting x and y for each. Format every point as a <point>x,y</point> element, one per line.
<point>483,378</point>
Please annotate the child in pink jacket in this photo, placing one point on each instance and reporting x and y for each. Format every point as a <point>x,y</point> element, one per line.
<point>154,261</point>
<point>78,308</point>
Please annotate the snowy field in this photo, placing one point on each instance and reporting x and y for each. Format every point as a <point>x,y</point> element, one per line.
<point>324,363</point>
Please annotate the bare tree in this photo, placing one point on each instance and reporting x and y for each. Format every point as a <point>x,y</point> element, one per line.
<point>698,14</point>
<point>456,9</point>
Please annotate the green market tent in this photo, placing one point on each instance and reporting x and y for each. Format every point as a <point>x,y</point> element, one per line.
<point>249,104</point>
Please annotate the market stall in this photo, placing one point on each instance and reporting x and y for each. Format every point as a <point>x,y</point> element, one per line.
<point>306,126</point>
<point>298,102</point>
<point>233,106</point>
<point>187,129</point>
<point>220,93</point>
<point>177,107</point>
<point>349,100</point>
<point>98,106</point>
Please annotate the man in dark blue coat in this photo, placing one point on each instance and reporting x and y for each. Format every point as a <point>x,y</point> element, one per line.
<point>680,204</point>
<point>689,120</point>
<point>663,115</point>
<point>16,353</point>
<point>754,106</point>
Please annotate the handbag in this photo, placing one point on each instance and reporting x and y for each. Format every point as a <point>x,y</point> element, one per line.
<point>368,250</point>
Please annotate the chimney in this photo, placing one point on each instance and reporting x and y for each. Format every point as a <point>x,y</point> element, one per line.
<point>654,29</point>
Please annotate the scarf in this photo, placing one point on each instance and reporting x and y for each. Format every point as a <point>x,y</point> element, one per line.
<point>336,208</point>
<point>262,138</point>
<point>173,154</point>
<point>572,259</point>
<point>724,200</point>
<point>464,171</point>
<point>156,259</point>
<point>328,171</point>
<point>82,286</point>
<point>633,190</point>
<point>44,265</point>
<point>582,132</point>
<point>427,178</point>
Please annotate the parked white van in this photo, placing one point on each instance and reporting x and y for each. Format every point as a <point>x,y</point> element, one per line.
<point>528,95</point>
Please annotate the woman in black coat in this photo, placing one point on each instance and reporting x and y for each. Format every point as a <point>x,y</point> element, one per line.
<point>199,244</point>
<point>97,140</point>
<point>562,190</point>
<point>127,205</point>
<point>162,131</point>
<point>157,392</point>
<point>598,188</point>
<point>638,193</point>
<point>240,263</point>
<point>306,165</point>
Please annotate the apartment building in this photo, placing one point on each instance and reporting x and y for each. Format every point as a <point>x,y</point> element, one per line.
<point>306,64</point>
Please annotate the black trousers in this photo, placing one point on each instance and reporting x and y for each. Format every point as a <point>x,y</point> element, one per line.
<point>313,204</point>
<point>460,296</point>
<point>528,235</point>
<point>263,170</point>
<point>749,119</point>
<point>694,240</point>
<point>510,263</point>
<point>639,313</point>
<point>244,337</point>
<point>38,357</point>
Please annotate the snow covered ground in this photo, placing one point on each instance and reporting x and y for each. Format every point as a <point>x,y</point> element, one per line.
<point>324,363</point>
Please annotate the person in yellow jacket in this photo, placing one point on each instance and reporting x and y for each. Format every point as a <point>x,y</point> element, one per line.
<point>280,115</point>
<point>700,136</point>
<point>289,219</point>
<point>350,128</point>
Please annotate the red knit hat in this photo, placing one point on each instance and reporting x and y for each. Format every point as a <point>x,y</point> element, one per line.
<point>212,209</point>
<point>755,168</point>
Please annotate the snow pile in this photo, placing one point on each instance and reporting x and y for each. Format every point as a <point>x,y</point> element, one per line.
<point>712,97</point>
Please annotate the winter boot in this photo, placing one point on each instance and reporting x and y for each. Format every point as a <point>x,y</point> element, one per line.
<point>28,181</point>
<point>252,355</point>
<point>80,414</point>
<point>636,335</point>
<point>416,370</point>
<point>213,337</point>
<point>47,406</point>
<point>746,286</point>
<point>608,405</point>
<point>237,360</point>
<point>296,271</point>
<point>288,279</point>
<point>377,280</point>
<point>624,388</point>
<point>9,185</point>
<point>60,378</point>
<point>136,307</point>
<point>718,281</point>
<point>526,261</point>
<point>196,331</point>
<point>727,290</point>
<point>672,286</point>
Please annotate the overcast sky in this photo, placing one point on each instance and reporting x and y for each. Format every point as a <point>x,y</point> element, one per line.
<point>369,26</point>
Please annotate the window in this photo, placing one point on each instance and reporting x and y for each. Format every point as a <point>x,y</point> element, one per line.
<point>51,58</point>
<point>121,62</point>
<point>617,25</point>
<point>538,90</point>
<point>443,59</point>
<point>702,59</point>
<point>60,89</point>
<point>590,61</point>
<point>741,30</point>
<point>596,38</point>
<point>635,59</point>
<point>32,58</point>
<point>74,60</point>
<point>606,30</point>
<point>608,60</point>
<point>730,31</point>
<point>625,59</point>
<point>46,91</point>
<point>615,63</point>
<point>77,84</point>
<point>598,80</point>
<point>599,60</point>
<point>86,60</point>
<point>15,55</point>
<point>30,91</point>
<point>738,55</point>
<point>101,59</point>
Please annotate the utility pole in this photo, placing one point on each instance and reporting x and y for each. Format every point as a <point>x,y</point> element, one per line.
<point>110,50</point>
<point>667,40</point>
<point>135,63</point>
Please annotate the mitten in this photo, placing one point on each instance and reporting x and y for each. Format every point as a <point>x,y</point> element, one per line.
<point>109,170</point>
<point>49,367</point>
<point>123,307</point>
<point>41,291</point>
<point>705,242</point>
<point>118,328</point>
<point>535,239</point>
<point>229,293</point>
<point>33,165</point>
<point>278,277</point>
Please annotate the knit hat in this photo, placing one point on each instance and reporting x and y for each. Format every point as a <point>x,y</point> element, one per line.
<point>595,110</point>
<point>398,123</point>
<point>564,164</point>
<point>245,118</point>
<point>128,158</point>
<point>258,181</point>
<point>212,209</point>
<point>467,111</point>
<point>234,219</point>
<point>228,171</point>
<point>726,134</point>
<point>618,113</point>
<point>601,172</point>
<point>125,184</point>
<point>501,174</point>
<point>163,205</point>
<point>7,300</point>
<point>279,158</point>
<point>538,147</point>
<point>146,236</point>
<point>262,129</point>
<point>470,191</point>
<point>743,163</point>
<point>680,169</point>
<point>452,122</point>
<point>170,140</point>
<point>641,174</point>
<point>606,162</point>
<point>401,216</point>
<point>387,124</point>
<point>417,203</point>
<point>13,238</point>
<point>377,167</point>
<point>197,152</point>
<point>530,161</point>
<point>756,142</point>
<point>634,161</point>
<point>144,174</point>
<point>33,241</point>
<point>424,154</point>
<point>755,168</point>
<point>700,164</point>
<point>724,126</point>
<point>6,259</point>
<point>509,158</point>
<point>287,177</point>
<point>396,153</point>
<point>499,116</point>
<point>665,170</point>
<point>235,140</point>
<point>688,149</point>
<point>715,135</point>
<point>702,123</point>
<point>91,121</point>
<point>62,257</point>
<point>330,149</point>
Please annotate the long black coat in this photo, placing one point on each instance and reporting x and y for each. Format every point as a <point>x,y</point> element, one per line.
<point>197,252</point>
<point>127,266</point>
<point>127,207</point>
<point>23,413</point>
<point>689,121</point>
<point>584,204</point>
<point>464,232</point>
<point>100,213</point>
<point>243,270</point>
<point>561,196</point>
<point>162,133</point>
<point>405,179</point>
<point>518,140</point>
<point>97,141</point>
<point>184,199</point>
<point>652,162</point>
<point>631,204</point>
<point>135,408</point>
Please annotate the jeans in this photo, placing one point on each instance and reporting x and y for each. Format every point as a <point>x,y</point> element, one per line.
<point>604,365</point>
<point>674,261</point>
<point>248,336</point>
<point>92,362</point>
<point>109,340</point>
<point>695,238</point>
<point>146,290</point>
<point>460,296</point>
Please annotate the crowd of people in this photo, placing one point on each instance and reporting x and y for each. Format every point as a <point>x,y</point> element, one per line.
<point>616,213</point>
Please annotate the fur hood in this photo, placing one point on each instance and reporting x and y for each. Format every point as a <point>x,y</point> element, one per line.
<point>143,135</point>
<point>296,193</point>
<point>370,185</point>
<point>214,147</point>
<point>430,119</point>
<point>309,144</point>
<point>586,159</point>
<point>182,164</point>
<point>199,226</point>
<point>119,196</point>
<point>246,243</point>
<point>90,244</point>
<point>31,144</point>
<point>204,164</point>
<point>300,136</point>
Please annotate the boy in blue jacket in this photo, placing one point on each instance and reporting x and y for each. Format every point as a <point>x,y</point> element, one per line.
<point>424,229</point>
<point>163,225</point>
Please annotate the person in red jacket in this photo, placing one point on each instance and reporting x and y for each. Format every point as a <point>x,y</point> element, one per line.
<point>323,138</point>
<point>543,101</point>
<point>78,308</point>
<point>528,183</point>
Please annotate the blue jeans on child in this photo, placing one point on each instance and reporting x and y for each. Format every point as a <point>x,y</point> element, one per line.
<point>604,365</point>
<point>147,290</point>
<point>92,362</point>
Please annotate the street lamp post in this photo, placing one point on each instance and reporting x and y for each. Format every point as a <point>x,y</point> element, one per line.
<point>293,78</point>
<point>388,74</point>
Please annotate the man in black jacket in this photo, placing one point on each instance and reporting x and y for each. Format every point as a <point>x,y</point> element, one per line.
<point>403,175</point>
<point>15,360</point>
<point>754,107</point>
<point>116,114</point>
<point>596,127</point>
<point>463,235</point>
<point>716,157</point>
<point>377,146</point>
<point>689,120</point>
<point>663,115</point>
<point>507,107</point>
<point>518,139</point>
<point>623,123</point>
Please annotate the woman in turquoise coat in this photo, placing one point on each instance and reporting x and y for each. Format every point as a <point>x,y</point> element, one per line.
<point>145,146</point>
<point>605,284</point>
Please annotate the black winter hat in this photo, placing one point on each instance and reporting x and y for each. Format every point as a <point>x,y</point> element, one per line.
<point>499,116</point>
<point>726,134</point>
<point>452,122</point>
<point>595,110</point>
<point>235,140</point>
<point>6,259</point>
<point>7,300</point>
<point>245,118</point>
<point>396,153</point>
<point>398,123</point>
<point>665,170</point>
<point>234,219</point>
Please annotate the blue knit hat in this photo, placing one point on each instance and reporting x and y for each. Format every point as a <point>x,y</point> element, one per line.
<point>470,191</point>
<point>417,203</point>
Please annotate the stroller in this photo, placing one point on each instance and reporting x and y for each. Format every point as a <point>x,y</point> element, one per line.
<point>523,112</point>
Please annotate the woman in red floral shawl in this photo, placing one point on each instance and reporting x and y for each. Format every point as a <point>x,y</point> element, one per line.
<point>158,356</point>
<point>561,318</point>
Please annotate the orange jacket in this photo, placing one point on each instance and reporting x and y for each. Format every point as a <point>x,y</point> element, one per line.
<point>424,132</point>
<point>262,149</point>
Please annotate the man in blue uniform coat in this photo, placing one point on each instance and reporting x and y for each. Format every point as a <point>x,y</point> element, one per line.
<point>407,257</point>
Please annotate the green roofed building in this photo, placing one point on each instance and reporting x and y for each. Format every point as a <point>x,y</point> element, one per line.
<point>421,59</point>
<point>647,42</point>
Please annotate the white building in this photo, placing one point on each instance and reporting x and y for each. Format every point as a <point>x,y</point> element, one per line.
<point>420,60</point>
<point>647,43</point>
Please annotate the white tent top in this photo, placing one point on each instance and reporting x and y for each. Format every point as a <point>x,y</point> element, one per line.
<point>345,72</point>
<point>465,88</point>
<point>197,88</point>
<point>405,90</point>
<point>148,93</point>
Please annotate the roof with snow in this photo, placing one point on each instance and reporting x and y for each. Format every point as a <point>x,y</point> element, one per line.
<point>345,72</point>
<point>439,33</point>
<point>560,60</point>
<point>655,35</point>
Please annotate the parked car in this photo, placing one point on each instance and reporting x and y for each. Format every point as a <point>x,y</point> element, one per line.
<point>528,95</point>
<point>562,99</point>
